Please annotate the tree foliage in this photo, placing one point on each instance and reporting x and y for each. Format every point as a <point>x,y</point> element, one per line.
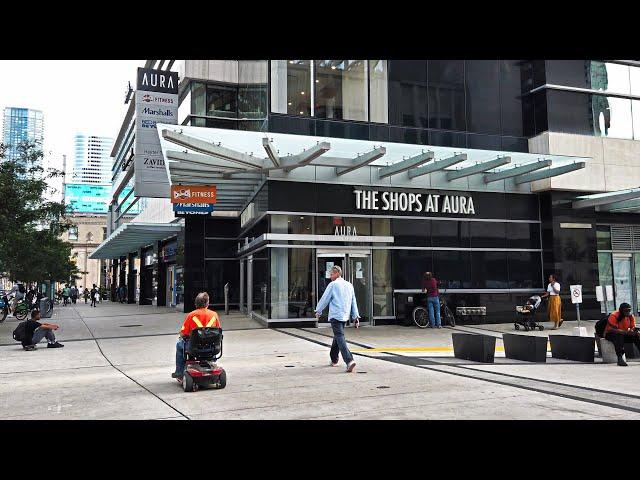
<point>31,223</point>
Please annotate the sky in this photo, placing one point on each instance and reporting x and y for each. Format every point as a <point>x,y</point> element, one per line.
<point>75,96</point>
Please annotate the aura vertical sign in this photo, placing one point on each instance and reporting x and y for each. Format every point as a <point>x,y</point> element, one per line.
<point>156,102</point>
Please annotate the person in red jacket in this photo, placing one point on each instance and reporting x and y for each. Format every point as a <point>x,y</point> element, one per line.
<point>199,318</point>
<point>621,329</point>
<point>430,287</point>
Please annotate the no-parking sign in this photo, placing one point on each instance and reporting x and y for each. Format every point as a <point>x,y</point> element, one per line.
<point>576,293</point>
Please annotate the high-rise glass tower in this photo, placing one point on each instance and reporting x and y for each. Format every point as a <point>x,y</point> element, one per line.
<point>20,125</point>
<point>92,161</point>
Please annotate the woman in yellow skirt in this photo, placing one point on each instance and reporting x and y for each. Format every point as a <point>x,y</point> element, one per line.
<point>554,308</point>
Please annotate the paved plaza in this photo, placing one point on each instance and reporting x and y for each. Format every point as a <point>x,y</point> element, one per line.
<point>117,361</point>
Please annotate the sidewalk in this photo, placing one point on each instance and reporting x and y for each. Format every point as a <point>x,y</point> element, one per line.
<point>285,374</point>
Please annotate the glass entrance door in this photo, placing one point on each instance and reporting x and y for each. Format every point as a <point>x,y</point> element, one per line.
<point>622,279</point>
<point>326,261</point>
<point>359,272</point>
<point>356,269</point>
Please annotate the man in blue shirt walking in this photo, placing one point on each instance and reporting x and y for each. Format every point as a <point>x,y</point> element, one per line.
<point>341,298</point>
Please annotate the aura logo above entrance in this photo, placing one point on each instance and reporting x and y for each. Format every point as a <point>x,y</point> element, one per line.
<point>414,202</point>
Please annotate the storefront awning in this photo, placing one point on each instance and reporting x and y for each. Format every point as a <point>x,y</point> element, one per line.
<point>237,162</point>
<point>132,236</point>
<point>619,201</point>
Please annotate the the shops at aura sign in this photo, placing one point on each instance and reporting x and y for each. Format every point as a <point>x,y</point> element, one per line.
<point>393,201</point>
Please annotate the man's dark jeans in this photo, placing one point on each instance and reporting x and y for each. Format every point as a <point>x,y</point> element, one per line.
<point>339,343</point>
<point>619,340</point>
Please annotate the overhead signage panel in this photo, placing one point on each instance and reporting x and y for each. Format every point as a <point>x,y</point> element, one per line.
<point>156,102</point>
<point>193,194</point>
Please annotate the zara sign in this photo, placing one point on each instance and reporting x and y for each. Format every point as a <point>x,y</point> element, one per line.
<point>414,202</point>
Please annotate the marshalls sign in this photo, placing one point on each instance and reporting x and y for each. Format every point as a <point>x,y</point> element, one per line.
<point>156,102</point>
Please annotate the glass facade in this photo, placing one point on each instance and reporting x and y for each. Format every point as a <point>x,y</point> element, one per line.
<point>21,125</point>
<point>432,102</point>
<point>341,89</point>
<point>589,114</point>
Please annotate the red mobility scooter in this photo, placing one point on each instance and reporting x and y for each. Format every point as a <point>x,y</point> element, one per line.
<point>204,348</point>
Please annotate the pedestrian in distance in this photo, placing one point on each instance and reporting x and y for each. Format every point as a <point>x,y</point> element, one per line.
<point>430,287</point>
<point>74,294</point>
<point>86,294</point>
<point>66,293</point>
<point>341,299</point>
<point>94,295</point>
<point>554,308</point>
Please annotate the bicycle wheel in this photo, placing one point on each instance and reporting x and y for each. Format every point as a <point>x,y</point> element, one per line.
<point>421,317</point>
<point>21,313</point>
<point>451,319</point>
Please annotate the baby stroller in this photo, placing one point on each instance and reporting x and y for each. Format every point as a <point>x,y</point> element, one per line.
<point>526,314</point>
<point>205,347</point>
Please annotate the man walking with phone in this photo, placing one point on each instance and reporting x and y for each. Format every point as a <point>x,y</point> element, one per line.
<point>341,299</point>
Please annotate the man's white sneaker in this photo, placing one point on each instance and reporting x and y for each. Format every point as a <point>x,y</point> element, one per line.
<point>351,366</point>
<point>334,364</point>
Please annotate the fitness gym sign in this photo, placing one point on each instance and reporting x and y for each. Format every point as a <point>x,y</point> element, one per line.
<point>414,202</point>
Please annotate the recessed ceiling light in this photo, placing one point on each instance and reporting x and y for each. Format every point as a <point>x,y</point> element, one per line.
<point>317,81</point>
<point>301,93</point>
<point>290,61</point>
<point>301,113</point>
<point>289,103</point>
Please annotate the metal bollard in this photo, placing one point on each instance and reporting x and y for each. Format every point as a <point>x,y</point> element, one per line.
<point>226,299</point>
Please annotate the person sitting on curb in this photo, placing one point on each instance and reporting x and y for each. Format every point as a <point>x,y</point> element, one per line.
<point>200,317</point>
<point>36,331</point>
<point>621,329</point>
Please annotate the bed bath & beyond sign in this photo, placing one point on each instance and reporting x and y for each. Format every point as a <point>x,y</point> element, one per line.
<point>413,202</point>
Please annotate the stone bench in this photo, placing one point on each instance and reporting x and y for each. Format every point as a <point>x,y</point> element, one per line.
<point>607,350</point>
<point>572,347</point>
<point>529,348</point>
<point>478,348</point>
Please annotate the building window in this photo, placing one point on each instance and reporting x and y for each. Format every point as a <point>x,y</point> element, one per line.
<point>378,91</point>
<point>291,87</point>
<point>341,90</point>
<point>222,101</point>
<point>73,233</point>
<point>104,233</point>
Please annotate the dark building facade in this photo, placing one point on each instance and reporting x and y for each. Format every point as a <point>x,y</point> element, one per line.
<point>275,252</point>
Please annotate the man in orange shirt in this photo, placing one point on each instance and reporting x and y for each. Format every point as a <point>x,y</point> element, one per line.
<point>621,329</point>
<point>199,318</point>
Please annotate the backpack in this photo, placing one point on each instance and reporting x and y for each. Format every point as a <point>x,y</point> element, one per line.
<point>601,325</point>
<point>20,332</point>
<point>21,288</point>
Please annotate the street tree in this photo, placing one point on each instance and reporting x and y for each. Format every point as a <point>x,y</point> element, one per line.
<point>31,223</point>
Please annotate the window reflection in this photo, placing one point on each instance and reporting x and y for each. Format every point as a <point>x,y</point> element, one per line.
<point>378,91</point>
<point>608,77</point>
<point>340,89</point>
<point>291,87</point>
<point>611,116</point>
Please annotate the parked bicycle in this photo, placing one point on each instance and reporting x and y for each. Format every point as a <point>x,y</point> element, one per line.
<point>421,314</point>
<point>21,311</point>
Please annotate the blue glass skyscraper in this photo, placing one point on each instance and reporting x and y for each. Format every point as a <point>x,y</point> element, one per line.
<point>20,125</point>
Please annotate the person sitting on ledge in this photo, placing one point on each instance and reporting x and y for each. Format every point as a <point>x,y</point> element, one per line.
<point>621,329</point>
